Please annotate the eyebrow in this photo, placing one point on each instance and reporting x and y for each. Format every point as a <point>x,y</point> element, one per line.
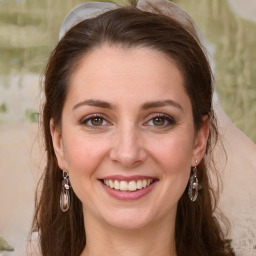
<point>163,103</point>
<point>95,103</point>
<point>145,106</point>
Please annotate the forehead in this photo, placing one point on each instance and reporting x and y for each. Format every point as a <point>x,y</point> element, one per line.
<point>127,73</point>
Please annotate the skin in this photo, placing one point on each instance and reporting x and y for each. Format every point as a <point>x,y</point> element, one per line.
<point>129,140</point>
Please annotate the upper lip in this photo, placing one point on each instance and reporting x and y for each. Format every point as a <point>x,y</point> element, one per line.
<point>128,178</point>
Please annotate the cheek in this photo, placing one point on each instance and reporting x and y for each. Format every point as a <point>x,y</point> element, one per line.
<point>174,152</point>
<point>174,156</point>
<point>177,167</point>
<point>83,154</point>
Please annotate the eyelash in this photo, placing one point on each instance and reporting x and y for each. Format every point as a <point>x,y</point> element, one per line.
<point>92,117</point>
<point>168,121</point>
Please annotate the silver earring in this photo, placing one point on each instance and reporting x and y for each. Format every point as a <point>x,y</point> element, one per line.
<point>193,185</point>
<point>65,195</point>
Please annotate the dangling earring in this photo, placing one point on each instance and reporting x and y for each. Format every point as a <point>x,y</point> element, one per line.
<point>65,195</point>
<point>193,185</point>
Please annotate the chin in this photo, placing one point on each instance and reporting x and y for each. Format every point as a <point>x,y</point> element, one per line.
<point>128,219</point>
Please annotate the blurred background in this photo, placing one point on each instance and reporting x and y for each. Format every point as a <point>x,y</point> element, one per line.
<point>28,33</point>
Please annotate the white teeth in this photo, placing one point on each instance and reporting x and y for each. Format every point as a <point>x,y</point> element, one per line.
<point>116,185</point>
<point>139,184</point>
<point>123,185</point>
<point>132,186</point>
<point>127,186</point>
<point>111,183</point>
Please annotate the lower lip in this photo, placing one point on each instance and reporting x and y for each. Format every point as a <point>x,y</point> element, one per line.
<point>128,195</point>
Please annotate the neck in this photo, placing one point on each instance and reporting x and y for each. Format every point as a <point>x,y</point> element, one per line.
<point>102,239</point>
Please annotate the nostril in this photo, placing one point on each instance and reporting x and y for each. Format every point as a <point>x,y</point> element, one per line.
<point>128,152</point>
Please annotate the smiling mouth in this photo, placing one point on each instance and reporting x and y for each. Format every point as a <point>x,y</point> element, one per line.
<point>132,185</point>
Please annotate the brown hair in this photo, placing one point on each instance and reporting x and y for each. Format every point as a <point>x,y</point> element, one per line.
<point>198,231</point>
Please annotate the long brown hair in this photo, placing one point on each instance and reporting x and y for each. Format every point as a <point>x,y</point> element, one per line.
<point>197,230</point>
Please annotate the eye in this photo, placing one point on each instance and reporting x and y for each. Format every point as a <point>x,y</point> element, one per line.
<point>160,120</point>
<point>94,121</point>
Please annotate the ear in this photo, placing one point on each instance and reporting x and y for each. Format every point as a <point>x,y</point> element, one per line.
<point>58,145</point>
<point>200,141</point>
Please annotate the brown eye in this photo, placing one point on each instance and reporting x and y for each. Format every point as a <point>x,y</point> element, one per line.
<point>94,121</point>
<point>159,121</point>
<point>97,121</point>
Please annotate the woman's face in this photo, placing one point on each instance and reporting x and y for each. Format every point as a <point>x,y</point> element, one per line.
<point>127,137</point>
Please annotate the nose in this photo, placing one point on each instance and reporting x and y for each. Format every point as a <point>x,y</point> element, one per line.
<point>128,148</point>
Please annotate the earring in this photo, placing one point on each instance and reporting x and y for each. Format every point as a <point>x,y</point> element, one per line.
<point>193,185</point>
<point>65,195</point>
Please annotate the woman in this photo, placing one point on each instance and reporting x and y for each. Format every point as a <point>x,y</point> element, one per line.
<point>129,130</point>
